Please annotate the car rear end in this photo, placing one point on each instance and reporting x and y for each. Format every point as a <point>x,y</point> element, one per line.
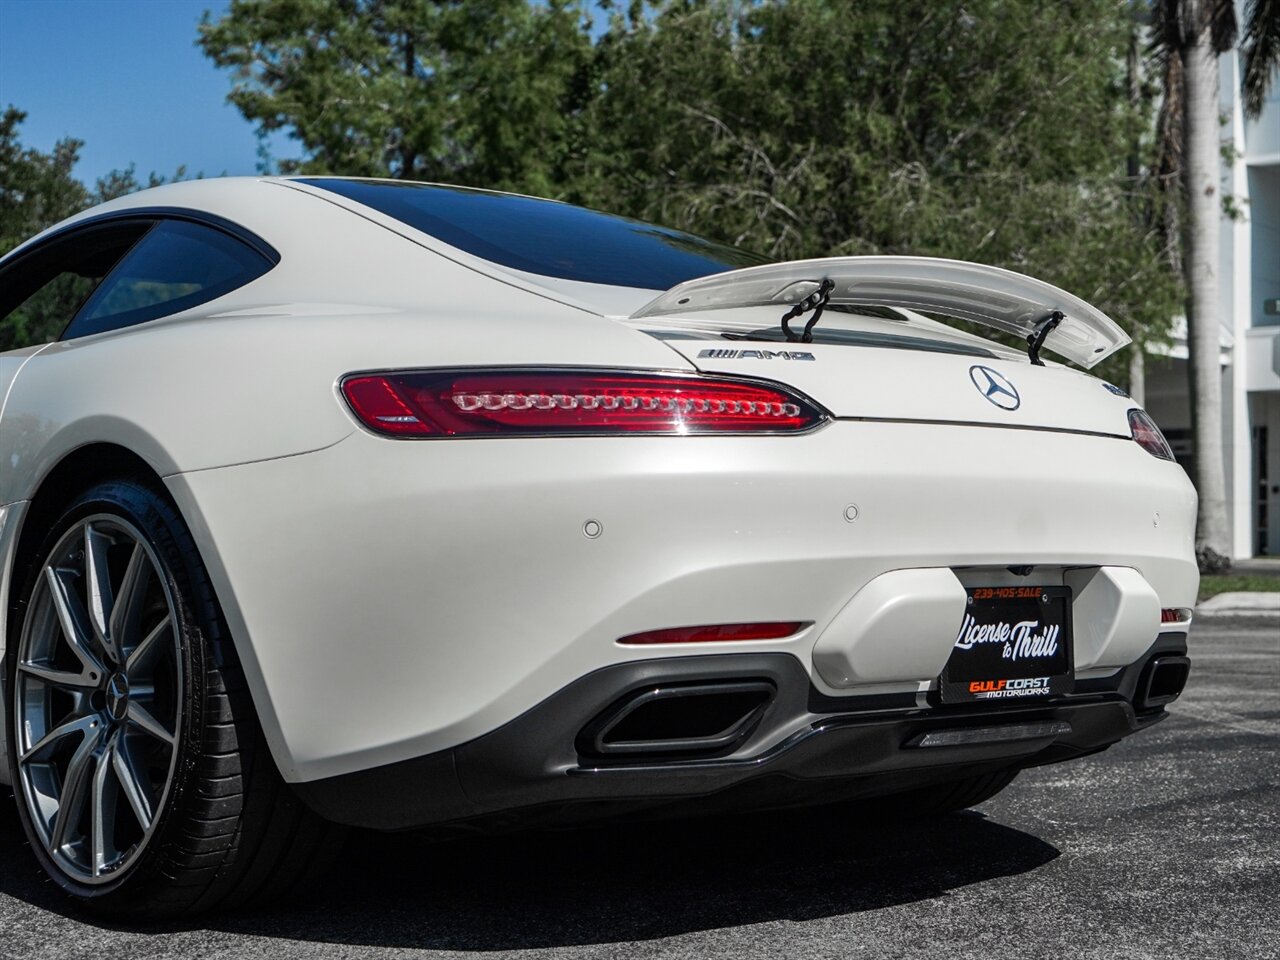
<point>499,527</point>
<point>515,616</point>
<point>681,560</point>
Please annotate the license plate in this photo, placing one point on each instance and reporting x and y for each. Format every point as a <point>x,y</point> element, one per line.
<point>1014,644</point>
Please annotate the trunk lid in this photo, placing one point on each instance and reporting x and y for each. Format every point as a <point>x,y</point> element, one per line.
<point>879,383</point>
<point>997,298</point>
<point>882,383</point>
<point>906,370</point>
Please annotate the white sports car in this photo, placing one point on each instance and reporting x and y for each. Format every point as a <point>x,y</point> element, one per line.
<point>354,502</point>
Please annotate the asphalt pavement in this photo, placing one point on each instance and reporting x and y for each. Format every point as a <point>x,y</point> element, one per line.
<point>1165,846</point>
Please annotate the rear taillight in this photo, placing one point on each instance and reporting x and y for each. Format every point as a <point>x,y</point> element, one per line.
<point>1148,435</point>
<point>468,403</point>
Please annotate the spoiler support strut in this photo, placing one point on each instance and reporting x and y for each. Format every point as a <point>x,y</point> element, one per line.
<point>1035,340</point>
<point>815,301</point>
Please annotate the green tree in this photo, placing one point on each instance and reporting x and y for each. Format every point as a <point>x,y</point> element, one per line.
<point>121,183</point>
<point>36,189</point>
<point>1260,47</point>
<point>474,92</point>
<point>990,130</point>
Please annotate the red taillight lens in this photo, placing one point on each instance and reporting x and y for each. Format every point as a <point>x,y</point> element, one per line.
<point>718,632</point>
<point>382,407</point>
<point>1148,435</point>
<point>464,403</point>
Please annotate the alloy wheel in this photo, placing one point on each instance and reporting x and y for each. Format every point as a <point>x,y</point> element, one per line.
<point>98,699</point>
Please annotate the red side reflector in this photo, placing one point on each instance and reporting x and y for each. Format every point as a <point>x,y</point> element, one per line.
<point>718,632</point>
<point>1175,615</point>
<point>381,408</point>
<point>465,403</point>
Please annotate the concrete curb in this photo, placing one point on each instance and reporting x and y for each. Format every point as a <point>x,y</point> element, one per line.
<point>1252,604</point>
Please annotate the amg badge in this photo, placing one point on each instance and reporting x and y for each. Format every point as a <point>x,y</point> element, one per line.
<point>715,354</point>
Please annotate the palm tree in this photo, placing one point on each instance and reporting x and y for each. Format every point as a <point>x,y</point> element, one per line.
<point>1188,36</point>
<point>1261,48</point>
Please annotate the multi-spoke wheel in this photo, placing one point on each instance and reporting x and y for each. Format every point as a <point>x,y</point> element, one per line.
<point>138,764</point>
<point>98,698</point>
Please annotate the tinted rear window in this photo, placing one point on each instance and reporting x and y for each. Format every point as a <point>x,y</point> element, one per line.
<point>176,266</point>
<point>545,237</point>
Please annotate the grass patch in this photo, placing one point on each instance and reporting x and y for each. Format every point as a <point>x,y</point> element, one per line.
<point>1213,584</point>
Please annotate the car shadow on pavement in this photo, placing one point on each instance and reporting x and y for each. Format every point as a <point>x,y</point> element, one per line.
<point>615,884</point>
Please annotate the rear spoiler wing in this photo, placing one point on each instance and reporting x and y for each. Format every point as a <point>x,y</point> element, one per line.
<point>990,296</point>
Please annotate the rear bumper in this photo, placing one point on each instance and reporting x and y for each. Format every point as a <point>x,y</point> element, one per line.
<point>392,600</point>
<point>804,748</point>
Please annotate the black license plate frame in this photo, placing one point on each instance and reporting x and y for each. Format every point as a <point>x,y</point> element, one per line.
<point>1014,645</point>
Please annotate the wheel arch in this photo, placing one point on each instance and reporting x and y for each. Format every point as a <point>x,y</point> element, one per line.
<point>75,472</point>
<point>69,476</point>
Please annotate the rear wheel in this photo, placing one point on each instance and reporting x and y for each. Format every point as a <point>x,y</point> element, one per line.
<point>142,779</point>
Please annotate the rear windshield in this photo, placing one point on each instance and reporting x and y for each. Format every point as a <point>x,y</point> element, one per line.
<point>545,237</point>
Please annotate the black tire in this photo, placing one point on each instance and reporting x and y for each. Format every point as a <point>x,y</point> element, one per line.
<point>943,798</point>
<point>230,833</point>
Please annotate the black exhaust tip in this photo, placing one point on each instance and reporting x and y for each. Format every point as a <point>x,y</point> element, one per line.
<point>702,719</point>
<point>1162,681</point>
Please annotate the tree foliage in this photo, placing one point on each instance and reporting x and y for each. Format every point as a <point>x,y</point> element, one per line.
<point>36,189</point>
<point>1260,47</point>
<point>992,130</point>
<point>469,91</point>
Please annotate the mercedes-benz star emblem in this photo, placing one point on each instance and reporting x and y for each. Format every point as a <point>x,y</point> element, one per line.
<point>995,386</point>
<point>118,697</point>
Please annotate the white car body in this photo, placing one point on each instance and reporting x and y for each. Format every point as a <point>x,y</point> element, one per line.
<point>393,600</point>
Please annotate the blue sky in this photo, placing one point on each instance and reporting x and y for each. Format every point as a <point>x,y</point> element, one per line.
<point>126,77</point>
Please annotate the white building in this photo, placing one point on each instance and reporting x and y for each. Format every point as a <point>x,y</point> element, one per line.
<point>1249,264</point>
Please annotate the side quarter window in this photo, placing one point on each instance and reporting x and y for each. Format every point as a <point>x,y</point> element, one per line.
<point>41,291</point>
<point>176,266</point>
